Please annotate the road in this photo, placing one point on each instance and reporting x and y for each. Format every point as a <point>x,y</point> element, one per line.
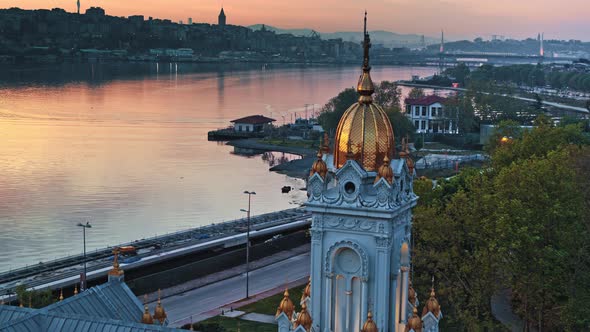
<point>199,301</point>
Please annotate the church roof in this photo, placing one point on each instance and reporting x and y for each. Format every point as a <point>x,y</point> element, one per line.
<point>108,307</point>
<point>221,13</point>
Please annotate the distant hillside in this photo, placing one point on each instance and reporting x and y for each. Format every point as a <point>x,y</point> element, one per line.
<point>385,38</point>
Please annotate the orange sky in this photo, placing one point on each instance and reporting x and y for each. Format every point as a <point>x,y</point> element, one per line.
<point>564,19</point>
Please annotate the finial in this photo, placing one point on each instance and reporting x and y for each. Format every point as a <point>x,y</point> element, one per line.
<point>146,318</point>
<point>385,171</point>
<point>365,85</point>
<point>159,312</point>
<point>30,299</point>
<point>61,294</point>
<point>76,289</point>
<point>116,271</point>
<point>369,325</point>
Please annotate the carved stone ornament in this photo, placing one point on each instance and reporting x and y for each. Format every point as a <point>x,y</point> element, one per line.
<point>347,244</point>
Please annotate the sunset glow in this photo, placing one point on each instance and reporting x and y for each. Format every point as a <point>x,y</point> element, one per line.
<point>459,18</point>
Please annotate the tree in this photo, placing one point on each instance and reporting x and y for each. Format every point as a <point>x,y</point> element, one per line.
<point>402,126</point>
<point>522,225</point>
<point>387,94</point>
<point>332,112</point>
<point>36,298</point>
<point>416,93</point>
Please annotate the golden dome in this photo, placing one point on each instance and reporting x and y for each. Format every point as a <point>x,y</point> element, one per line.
<point>364,132</point>
<point>370,325</point>
<point>159,312</point>
<point>431,305</point>
<point>303,319</point>
<point>147,318</point>
<point>319,166</point>
<point>286,305</point>
<point>414,323</point>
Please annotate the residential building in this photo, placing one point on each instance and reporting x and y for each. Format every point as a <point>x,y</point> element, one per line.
<point>251,124</point>
<point>430,115</point>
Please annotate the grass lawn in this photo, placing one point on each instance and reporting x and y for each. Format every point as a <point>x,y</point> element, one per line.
<point>269,305</point>
<point>232,324</point>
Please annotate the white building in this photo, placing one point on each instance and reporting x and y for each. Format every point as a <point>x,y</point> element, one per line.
<point>429,115</point>
<point>251,124</point>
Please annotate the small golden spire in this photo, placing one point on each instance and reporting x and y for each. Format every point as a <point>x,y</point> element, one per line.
<point>414,323</point>
<point>116,270</point>
<point>76,289</point>
<point>385,171</point>
<point>146,318</point>
<point>432,304</point>
<point>159,312</point>
<point>21,304</point>
<point>411,294</point>
<point>369,325</point>
<point>405,154</point>
<point>307,291</point>
<point>319,166</point>
<point>286,305</point>
<point>61,294</point>
<point>304,319</point>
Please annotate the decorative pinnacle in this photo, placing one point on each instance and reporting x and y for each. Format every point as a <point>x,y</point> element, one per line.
<point>365,87</point>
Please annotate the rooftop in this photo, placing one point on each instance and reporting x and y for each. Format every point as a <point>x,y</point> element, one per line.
<point>426,101</point>
<point>254,119</point>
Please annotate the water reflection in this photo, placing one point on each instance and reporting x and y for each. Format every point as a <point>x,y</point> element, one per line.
<point>131,154</point>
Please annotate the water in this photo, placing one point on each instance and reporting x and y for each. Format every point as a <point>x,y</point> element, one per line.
<point>125,147</point>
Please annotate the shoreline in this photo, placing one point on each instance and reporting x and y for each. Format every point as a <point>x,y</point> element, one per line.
<point>296,168</point>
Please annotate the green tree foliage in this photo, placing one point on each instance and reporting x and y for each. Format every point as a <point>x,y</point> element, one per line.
<point>416,93</point>
<point>531,75</point>
<point>387,95</point>
<point>402,126</point>
<point>522,223</point>
<point>460,73</point>
<point>37,299</point>
<point>333,110</point>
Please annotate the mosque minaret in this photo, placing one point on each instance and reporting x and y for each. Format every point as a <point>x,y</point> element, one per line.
<point>361,199</point>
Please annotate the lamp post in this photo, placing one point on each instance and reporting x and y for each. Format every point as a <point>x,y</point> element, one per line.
<point>84,226</point>
<point>249,193</point>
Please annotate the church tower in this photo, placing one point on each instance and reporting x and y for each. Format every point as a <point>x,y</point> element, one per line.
<point>361,198</point>
<point>221,18</point>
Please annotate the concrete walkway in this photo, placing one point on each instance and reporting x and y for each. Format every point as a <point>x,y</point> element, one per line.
<point>502,310</point>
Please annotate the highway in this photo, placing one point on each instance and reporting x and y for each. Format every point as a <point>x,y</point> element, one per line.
<point>198,302</point>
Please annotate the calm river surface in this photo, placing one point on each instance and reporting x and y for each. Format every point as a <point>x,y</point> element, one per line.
<point>125,147</point>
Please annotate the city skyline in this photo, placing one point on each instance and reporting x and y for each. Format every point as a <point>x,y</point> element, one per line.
<point>477,18</point>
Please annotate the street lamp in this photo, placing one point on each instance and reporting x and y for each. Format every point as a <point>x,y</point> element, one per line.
<point>84,226</point>
<point>249,193</point>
